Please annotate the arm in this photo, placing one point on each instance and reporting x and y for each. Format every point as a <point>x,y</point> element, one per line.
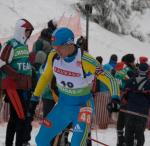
<point>6,56</point>
<point>92,66</point>
<point>46,77</point>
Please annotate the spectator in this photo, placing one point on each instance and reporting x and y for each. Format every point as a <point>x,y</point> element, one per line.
<point>82,43</point>
<point>143,59</point>
<point>101,98</point>
<point>52,25</point>
<point>14,63</point>
<point>112,64</point>
<point>138,96</point>
<point>121,76</point>
<point>43,42</point>
<point>99,59</point>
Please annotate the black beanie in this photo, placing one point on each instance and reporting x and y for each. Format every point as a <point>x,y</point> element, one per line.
<point>52,25</point>
<point>143,68</point>
<point>128,58</point>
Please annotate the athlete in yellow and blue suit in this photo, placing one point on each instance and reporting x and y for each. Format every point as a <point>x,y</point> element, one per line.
<point>72,71</point>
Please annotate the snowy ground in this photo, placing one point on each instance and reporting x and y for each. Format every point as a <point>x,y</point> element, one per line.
<point>106,136</point>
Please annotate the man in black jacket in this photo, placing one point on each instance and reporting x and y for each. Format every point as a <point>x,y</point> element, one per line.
<point>138,97</point>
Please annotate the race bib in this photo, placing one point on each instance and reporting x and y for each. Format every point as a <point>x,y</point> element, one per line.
<point>85,115</point>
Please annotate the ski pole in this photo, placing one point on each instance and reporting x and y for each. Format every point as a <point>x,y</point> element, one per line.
<point>96,136</point>
<point>96,128</point>
<point>135,113</point>
<point>97,141</point>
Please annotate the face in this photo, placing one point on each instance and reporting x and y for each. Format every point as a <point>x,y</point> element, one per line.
<point>28,33</point>
<point>64,50</point>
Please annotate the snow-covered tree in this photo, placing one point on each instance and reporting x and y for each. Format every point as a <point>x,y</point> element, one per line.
<point>114,15</point>
<point>139,5</point>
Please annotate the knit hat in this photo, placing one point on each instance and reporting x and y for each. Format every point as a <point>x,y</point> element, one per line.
<point>143,59</point>
<point>99,59</point>
<point>128,58</point>
<point>62,36</point>
<point>52,24</point>
<point>119,66</point>
<point>114,57</point>
<point>143,68</point>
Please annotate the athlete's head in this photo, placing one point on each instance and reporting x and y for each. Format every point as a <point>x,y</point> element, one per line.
<point>63,41</point>
<point>62,36</point>
<point>23,30</point>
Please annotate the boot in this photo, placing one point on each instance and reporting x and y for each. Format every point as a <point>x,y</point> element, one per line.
<point>26,144</point>
<point>120,138</point>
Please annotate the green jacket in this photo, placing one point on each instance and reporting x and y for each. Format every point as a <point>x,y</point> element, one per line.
<point>121,76</point>
<point>42,45</point>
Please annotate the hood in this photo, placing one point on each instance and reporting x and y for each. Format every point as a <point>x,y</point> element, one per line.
<point>21,26</point>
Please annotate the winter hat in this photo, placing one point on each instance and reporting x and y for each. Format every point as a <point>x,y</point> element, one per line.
<point>99,59</point>
<point>40,57</point>
<point>52,24</point>
<point>119,66</point>
<point>128,58</point>
<point>62,36</point>
<point>45,34</point>
<point>114,57</point>
<point>143,68</point>
<point>143,59</point>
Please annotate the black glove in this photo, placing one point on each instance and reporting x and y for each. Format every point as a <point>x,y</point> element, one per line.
<point>32,107</point>
<point>114,105</point>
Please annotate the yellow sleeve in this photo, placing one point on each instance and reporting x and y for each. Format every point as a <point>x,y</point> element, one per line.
<point>46,76</point>
<point>90,64</point>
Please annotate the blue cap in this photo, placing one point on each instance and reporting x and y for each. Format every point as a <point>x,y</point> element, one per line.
<point>62,36</point>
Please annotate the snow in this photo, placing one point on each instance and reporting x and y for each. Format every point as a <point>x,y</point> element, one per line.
<point>107,136</point>
<point>141,21</point>
<point>101,41</point>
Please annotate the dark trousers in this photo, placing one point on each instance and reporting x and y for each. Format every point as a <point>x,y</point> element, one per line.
<point>120,127</point>
<point>20,127</point>
<point>134,130</point>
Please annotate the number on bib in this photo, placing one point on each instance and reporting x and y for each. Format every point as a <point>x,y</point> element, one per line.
<point>85,115</point>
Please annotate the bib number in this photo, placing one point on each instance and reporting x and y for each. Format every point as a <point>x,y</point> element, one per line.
<point>85,115</point>
<point>67,84</point>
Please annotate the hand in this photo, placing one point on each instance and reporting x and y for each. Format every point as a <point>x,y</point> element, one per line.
<point>114,105</point>
<point>32,105</point>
